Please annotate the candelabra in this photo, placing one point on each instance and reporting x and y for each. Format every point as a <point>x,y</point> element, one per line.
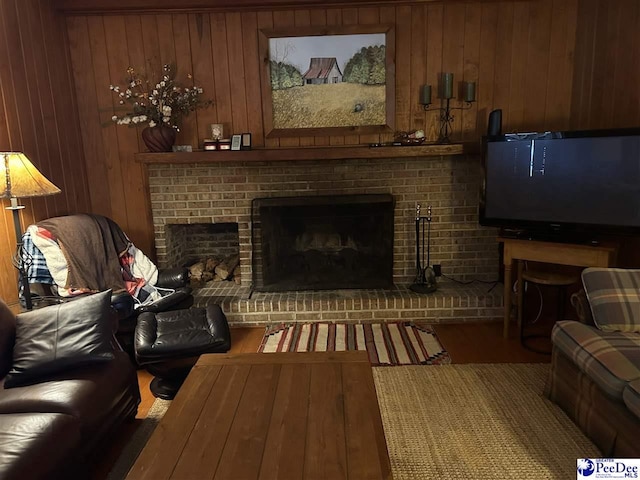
<point>445,95</point>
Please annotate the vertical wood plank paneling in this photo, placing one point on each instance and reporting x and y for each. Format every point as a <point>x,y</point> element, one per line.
<point>538,46</point>
<point>166,43</point>
<point>150,45</point>
<point>188,134</point>
<point>90,125</point>
<point>561,54</point>
<point>502,75</point>
<point>37,116</point>
<point>603,67</point>
<point>418,66</point>
<point>471,60</point>
<point>110,41</point>
<point>546,63</point>
<point>23,116</point>
<point>202,60</point>
<point>388,16</point>
<point>403,68</point>
<point>607,65</point>
<point>236,73</point>
<point>486,67</point>
<point>221,71</point>
<point>10,138</point>
<point>453,56</point>
<point>43,124</point>
<point>135,174</point>
<point>621,97</point>
<point>252,77</point>
<point>584,64</point>
<point>518,72</point>
<point>74,188</point>
<point>435,40</point>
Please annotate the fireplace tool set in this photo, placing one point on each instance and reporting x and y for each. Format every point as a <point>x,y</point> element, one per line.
<point>425,281</point>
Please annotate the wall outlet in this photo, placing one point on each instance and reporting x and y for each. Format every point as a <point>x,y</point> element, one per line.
<point>437,269</point>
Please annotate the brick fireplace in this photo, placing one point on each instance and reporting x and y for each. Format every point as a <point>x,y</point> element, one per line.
<point>223,192</point>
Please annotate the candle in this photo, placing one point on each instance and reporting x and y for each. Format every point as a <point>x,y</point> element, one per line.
<point>425,95</point>
<point>469,92</point>
<point>447,85</point>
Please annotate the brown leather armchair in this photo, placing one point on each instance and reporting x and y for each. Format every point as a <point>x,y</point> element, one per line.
<point>54,423</point>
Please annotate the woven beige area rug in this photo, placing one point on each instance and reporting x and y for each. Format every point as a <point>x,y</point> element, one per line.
<point>480,422</point>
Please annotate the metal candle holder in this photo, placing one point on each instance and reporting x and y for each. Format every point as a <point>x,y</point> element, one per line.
<point>446,94</point>
<point>446,119</point>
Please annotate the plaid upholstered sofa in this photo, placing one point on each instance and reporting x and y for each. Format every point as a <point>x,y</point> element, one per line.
<point>595,363</point>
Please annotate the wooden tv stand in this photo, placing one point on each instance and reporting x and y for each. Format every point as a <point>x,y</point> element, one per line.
<point>578,255</point>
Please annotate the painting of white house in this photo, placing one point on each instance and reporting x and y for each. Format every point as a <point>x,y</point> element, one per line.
<point>328,80</point>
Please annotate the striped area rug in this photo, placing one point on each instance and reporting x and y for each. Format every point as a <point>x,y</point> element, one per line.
<point>392,343</point>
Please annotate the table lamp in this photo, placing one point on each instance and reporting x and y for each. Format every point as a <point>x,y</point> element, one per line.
<point>20,178</point>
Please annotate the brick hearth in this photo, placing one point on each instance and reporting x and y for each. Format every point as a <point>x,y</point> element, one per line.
<point>451,303</point>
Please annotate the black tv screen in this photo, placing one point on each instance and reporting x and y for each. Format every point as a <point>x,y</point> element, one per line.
<point>580,182</point>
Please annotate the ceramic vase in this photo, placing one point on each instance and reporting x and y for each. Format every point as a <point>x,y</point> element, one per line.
<point>159,138</point>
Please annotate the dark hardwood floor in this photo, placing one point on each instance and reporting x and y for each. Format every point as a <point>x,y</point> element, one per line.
<point>466,343</point>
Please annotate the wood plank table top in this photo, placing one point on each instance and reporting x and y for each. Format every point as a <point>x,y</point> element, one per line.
<point>271,416</point>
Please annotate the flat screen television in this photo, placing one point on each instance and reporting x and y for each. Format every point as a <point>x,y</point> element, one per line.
<point>564,185</point>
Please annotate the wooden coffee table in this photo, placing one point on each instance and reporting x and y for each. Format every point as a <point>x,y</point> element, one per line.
<point>271,415</point>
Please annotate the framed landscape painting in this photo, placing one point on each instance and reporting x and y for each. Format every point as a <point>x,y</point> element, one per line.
<point>328,80</point>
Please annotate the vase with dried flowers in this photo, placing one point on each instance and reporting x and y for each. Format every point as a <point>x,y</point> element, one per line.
<point>159,106</point>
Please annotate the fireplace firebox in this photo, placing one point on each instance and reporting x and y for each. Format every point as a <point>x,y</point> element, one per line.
<point>323,242</point>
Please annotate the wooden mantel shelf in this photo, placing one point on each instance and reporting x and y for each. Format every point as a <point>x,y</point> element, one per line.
<point>302,153</point>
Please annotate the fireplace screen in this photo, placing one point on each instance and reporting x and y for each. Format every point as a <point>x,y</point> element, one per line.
<point>323,242</point>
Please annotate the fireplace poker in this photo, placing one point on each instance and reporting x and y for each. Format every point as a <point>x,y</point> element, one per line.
<point>425,281</point>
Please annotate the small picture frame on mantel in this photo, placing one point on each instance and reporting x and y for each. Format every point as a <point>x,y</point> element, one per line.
<point>246,141</point>
<point>236,142</point>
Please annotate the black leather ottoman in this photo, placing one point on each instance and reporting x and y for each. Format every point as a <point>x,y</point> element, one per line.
<point>168,344</point>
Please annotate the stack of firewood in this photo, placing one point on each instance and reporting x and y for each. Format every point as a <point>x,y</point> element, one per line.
<point>212,269</point>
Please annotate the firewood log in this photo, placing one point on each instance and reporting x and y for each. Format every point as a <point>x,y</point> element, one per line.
<point>196,270</point>
<point>211,264</point>
<point>225,268</point>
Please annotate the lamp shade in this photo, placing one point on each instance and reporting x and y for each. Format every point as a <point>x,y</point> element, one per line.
<point>20,178</point>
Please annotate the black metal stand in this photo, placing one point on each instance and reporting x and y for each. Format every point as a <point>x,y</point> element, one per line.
<point>18,260</point>
<point>446,119</point>
<point>425,281</point>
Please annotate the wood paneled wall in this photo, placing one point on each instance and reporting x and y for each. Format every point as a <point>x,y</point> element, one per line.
<point>38,116</point>
<point>549,64</point>
<point>519,53</point>
<point>606,90</point>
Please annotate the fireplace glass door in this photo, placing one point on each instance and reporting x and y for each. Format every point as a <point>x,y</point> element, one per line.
<point>324,242</point>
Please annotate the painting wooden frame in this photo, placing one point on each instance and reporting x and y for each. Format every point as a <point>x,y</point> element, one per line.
<point>265,36</point>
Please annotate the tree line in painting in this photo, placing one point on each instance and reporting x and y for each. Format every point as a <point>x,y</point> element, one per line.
<point>366,67</point>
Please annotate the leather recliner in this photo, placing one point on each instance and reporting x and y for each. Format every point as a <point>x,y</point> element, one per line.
<point>43,287</point>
